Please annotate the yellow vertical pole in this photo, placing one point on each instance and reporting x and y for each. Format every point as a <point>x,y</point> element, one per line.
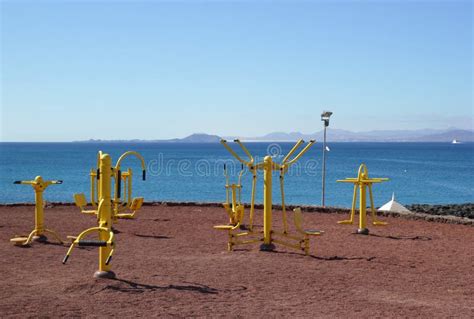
<point>234,199</point>
<point>267,204</point>
<point>372,207</point>
<point>39,213</point>
<point>93,187</point>
<point>362,211</point>
<point>252,200</point>
<point>353,207</point>
<point>234,205</point>
<point>283,206</point>
<point>117,195</point>
<point>105,215</point>
<point>129,198</point>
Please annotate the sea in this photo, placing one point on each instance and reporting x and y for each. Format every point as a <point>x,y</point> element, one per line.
<point>431,173</point>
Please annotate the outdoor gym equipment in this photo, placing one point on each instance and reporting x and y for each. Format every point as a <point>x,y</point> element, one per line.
<point>106,241</point>
<point>361,182</point>
<point>122,200</point>
<point>268,166</point>
<point>233,204</point>
<point>38,233</point>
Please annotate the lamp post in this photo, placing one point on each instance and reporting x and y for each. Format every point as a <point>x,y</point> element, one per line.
<point>325,118</point>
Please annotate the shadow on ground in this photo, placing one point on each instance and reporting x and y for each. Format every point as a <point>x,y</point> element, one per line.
<point>152,236</point>
<point>423,238</point>
<point>128,286</point>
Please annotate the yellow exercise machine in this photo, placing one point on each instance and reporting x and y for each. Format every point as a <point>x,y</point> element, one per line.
<point>268,166</point>
<point>39,185</point>
<point>233,194</point>
<point>125,208</point>
<point>106,241</point>
<point>361,182</point>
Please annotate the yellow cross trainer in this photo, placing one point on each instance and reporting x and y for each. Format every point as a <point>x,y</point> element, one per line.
<point>268,237</point>
<point>361,182</point>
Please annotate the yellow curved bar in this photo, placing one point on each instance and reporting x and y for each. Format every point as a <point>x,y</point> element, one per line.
<point>304,150</point>
<point>81,235</point>
<point>362,171</point>
<point>240,176</point>
<point>111,238</point>
<point>126,154</point>
<point>297,145</point>
<point>231,151</point>
<point>90,230</point>
<point>245,150</point>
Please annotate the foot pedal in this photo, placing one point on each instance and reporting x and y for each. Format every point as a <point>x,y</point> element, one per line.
<point>224,227</point>
<point>345,222</point>
<point>379,223</point>
<point>18,241</point>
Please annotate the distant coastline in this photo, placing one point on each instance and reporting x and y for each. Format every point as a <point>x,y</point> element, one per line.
<point>334,135</point>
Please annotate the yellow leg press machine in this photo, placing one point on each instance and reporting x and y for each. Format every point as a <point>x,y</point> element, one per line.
<point>235,209</point>
<point>124,205</point>
<point>105,241</point>
<point>362,182</point>
<point>38,233</point>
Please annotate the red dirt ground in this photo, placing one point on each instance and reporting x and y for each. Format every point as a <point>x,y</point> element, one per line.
<point>170,262</point>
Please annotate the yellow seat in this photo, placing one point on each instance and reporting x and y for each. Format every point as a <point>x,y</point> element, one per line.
<point>135,205</point>
<point>298,217</point>
<point>236,216</point>
<point>81,202</point>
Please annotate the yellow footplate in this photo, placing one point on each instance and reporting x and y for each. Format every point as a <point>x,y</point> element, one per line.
<point>225,227</point>
<point>18,240</point>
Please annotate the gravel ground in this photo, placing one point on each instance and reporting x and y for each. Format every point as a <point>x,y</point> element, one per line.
<point>171,262</point>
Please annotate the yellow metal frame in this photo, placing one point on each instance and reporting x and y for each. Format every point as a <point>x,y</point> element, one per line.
<point>124,205</point>
<point>361,182</point>
<point>265,237</point>
<point>38,233</point>
<point>233,204</point>
<point>105,241</point>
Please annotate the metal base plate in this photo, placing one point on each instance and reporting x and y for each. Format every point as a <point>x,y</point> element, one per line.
<point>40,238</point>
<point>363,231</point>
<point>104,274</point>
<point>267,247</point>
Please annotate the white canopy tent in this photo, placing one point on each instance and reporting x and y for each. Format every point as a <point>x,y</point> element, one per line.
<point>393,206</point>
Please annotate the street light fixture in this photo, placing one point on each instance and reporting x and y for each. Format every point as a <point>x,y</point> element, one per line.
<point>325,118</point>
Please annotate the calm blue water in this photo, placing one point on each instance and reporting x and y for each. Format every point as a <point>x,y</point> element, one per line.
<point>418,172</point>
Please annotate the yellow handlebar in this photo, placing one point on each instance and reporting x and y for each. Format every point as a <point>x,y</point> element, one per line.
<point>297,157</point>
<point>231,151</point>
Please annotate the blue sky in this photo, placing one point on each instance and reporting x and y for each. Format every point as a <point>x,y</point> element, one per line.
<point>123,70</point>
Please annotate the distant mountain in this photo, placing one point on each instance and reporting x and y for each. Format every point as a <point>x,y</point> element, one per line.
<point>333,135</point>
<point>193,138</point>
<point>338,135</point>
<point>198,138</point>
<point>460,135</point>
